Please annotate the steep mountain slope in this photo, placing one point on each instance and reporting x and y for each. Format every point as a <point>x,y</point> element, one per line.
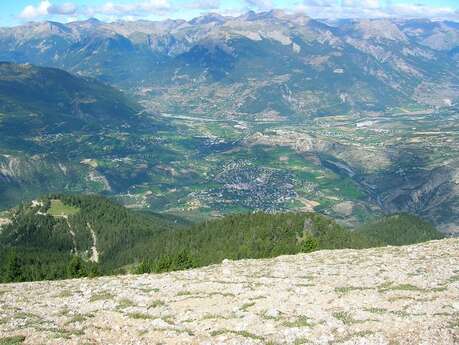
<point>35,100</point>
<point>51,121</point>
<point>392,295</point>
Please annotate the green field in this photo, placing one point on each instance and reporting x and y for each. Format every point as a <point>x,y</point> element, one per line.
<point>59,209</point>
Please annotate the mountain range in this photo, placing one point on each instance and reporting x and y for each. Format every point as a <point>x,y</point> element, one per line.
<point>262,112</point>
<point>258,62</point>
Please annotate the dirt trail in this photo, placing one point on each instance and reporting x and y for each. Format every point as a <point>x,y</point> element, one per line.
<point>94,253</point>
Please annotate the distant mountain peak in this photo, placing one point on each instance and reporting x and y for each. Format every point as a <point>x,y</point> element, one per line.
<point>272,14</point>
<point>277,13</point>
<point>48,27</point>
<point>208,18</point>
<point>93,21</point>
<point>380,28</point>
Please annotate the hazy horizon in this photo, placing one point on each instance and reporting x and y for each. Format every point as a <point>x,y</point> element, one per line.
<point>24,11</point>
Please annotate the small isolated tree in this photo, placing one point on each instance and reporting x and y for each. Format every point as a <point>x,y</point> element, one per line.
<point>183,261</point>
<point>308,244</point>
<point>75,268</point>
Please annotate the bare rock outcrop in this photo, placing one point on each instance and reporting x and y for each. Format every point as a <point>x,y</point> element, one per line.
<point>392,295</point>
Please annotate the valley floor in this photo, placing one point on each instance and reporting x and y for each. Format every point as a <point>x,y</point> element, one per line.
<point>392,295</point>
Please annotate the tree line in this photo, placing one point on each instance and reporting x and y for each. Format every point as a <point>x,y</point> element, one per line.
<point>39,246</point>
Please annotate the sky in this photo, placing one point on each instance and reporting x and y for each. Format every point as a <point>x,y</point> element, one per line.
<point>16,12</point>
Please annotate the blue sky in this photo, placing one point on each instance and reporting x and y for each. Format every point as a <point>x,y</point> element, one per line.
<point>19,11</point>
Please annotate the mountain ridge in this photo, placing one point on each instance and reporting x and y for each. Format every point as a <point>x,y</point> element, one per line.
<point>406,49</point>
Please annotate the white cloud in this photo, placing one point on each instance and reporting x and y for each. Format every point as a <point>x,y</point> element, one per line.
<point>30,12</point>
<point>115,9</point>
<point>64,9</point>
<point>363,4</point>
<point>203,5</point>
<point>332,9</point>
<point>321,3</point>
<point>136,9</point>
<point>373,9</point>
<point>422,11</point>
<point>260,4</point>
<point>45,8</point>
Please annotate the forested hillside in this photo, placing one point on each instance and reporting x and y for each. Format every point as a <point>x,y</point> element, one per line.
<point>63,236</point>
<point>262,235</point>
<point>49,237</point>
<point>399,230</point>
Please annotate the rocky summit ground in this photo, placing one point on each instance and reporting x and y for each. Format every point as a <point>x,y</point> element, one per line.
<point>392,295</point>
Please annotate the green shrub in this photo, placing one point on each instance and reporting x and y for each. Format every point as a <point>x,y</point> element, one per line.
<point>308,245</point>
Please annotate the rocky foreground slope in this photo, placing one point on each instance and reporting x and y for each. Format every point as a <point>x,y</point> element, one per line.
<point>392,295</point>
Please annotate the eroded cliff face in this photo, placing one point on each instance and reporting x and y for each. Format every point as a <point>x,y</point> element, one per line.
<point>392,295</point>
<point>432,194</point>
<point>429,192</point>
